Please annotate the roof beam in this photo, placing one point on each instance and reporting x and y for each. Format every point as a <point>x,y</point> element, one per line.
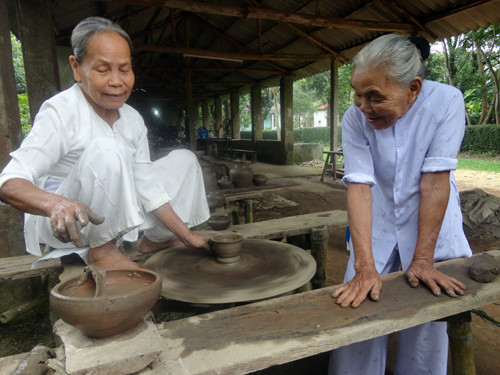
<point>270,14</point>
<point>230,55</point>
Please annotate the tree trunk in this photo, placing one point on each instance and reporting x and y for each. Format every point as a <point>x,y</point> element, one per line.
<point>484,90</point>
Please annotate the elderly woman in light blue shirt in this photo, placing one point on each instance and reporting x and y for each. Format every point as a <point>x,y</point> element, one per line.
<point>400,141</point>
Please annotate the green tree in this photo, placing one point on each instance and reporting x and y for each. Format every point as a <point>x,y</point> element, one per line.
<point>18,62</point>
<point>22,96</point>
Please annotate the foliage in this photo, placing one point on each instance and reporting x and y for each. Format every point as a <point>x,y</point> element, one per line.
<point>18,62</point>
<point>482,139</point>
<point>24,113</point>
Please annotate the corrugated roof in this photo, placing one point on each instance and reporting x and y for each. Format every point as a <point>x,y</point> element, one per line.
<point>260,34</point>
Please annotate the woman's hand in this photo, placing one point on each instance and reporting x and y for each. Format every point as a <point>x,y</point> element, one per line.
<point>367,281</point>
<point>196,240</point>
<point>423,271</point>
<point>67,215</point>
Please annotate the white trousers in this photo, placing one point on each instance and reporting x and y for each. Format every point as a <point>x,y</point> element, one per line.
<point>103,180</point>
<point>421,350</point>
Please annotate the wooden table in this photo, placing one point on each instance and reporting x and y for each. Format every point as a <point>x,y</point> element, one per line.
<point>331,159</point>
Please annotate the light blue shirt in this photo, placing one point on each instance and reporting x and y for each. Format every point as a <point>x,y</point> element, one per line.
<point>426,139</point>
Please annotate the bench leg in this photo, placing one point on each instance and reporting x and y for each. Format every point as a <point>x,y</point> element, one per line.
<point>461,350</point>
<point>319,244</point>
<point>248,210</point>
<point>327,161</point>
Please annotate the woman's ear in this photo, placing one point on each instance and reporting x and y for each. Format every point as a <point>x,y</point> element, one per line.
<point>75,67</point>
<point>415,87</point>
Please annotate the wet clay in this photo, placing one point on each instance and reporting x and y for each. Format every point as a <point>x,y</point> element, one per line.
<point>485,268</point>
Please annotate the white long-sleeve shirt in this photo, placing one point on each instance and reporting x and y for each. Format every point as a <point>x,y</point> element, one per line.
<point>426,139</point>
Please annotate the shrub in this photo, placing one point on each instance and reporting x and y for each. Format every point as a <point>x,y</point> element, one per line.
<point>481,139</point>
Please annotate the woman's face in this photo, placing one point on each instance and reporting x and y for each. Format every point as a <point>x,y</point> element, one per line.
<point>381,98</point>
<point>106,71</point>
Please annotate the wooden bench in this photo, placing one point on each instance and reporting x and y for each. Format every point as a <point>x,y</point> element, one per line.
<point>243,154</point>
<point>249,338</point>
<point>331,162</point>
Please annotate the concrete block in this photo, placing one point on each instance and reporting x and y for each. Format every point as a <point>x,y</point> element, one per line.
<point>126,353</point>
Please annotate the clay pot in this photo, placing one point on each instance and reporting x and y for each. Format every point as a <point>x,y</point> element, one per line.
<point>219,222</point>
<point>259,179</point>
<point>241,175</point>
<point>103,303</point>
<point>226,247</point>
<point>215,200</point>
<point>225,183</point>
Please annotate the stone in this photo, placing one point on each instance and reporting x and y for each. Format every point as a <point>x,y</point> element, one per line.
<point>122,354</point>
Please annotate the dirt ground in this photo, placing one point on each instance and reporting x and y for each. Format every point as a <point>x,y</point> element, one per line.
<point>313,196</point>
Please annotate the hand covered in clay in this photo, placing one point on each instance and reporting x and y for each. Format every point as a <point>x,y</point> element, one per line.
<point>67,215</point>
<point>196,240</point>
<point>423,271</point>
<point>366,282</point>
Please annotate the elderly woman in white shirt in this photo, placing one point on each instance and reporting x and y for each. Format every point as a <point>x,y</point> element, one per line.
<point>400,140</point>
<point>84,175</point>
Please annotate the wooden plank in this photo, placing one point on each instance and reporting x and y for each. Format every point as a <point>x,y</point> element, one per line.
<point>287,226</point>
<point>248,338</point>
<point>20,267</point>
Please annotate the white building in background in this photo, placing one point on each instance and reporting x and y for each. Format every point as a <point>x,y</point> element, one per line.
<point>320,117</point>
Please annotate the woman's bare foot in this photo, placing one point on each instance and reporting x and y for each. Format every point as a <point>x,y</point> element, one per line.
<point>109,256</point>
<point>147,246</point>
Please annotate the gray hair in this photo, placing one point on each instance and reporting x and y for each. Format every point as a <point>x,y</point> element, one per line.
<point>91,26</point>
<point>397,54</point>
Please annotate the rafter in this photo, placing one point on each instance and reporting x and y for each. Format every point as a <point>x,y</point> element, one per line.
<point>274,15</point>
<point>231,55</point>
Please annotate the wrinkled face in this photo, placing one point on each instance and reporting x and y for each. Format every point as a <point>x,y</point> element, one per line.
<point>106,71</point>
<point>381,98</point>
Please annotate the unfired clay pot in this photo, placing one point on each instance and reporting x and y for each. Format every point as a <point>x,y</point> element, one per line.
<point>259,179</point>
<point>215,200</point>
<point>219,222</point>
<point>225,183</point>
<point>241,175</point>
<point>227,247</point>
<point>103,303</point>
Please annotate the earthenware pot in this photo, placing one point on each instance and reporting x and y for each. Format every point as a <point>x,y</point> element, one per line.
<point>219,222</point>
<point>226,247</point>
<point>259,179</point>
<point>215,200</point>
<point>241,175</point>
<point>103,303</point>
<point>225,183</point>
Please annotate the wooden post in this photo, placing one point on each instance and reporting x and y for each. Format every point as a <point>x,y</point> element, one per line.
<point>461,349</point>
<point>286,98</point>
<point>334,105</point>
<point>218,116</point>
<point>39,51</point>
<point>319,244</point>
<point>204,114</point>
<point>11,230</point>
<point>235,113</point>
<point>257,121</point>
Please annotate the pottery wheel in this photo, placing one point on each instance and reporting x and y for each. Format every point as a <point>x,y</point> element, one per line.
<point>265,269</point>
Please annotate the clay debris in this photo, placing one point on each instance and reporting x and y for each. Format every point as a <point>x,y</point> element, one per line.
<point>481,212</point>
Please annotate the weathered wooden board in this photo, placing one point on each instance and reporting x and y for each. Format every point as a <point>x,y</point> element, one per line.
<point>287,226</point>
<point>253,337</point>
<point>20,267</point>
